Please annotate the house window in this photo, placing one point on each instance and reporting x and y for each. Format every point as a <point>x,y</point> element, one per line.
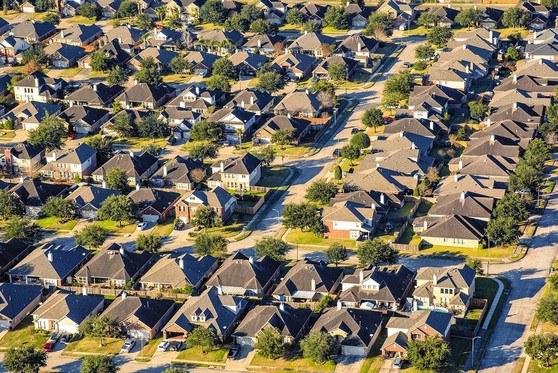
<point>194,318</point>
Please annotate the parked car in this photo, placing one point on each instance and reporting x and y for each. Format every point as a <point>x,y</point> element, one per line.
<point>65,338</point>
<point>233,351</point>
<point>179,225</point>
<point>354,130</point>
<point>142,226</point>
<point>336,152</point>
<point>407,65</point>
<point>54,337</point>
<point>48,346</point>
<point>128,345</point>
<point>398,363</point>
<point>176,346</point>
<point>72,135</point>
<point>163,346</point>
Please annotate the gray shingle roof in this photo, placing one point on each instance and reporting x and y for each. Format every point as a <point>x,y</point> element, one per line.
<point>359,325</point>
<point>15,298</point>
<point>288,321</point>
<point>61,305</point>
<point>300,276</point>
<point>167,270</point>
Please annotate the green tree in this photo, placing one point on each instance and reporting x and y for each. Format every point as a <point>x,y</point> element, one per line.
<point>295,17</point>
<point>117,208</point>
<point>526,178</point>
<point>379,25</point>
<point>323,303</point>
<point>282,137</point>
<point>213,12</point>
<point>337,172</point>
<point>372,118</point>
<point>100,327</point>
<point>537,153</point>
<point>224,67</point>
<point>512,54</point>
<point>551,4</point>
<point>44,5</point>
<point>24,359</point>
<point>219,82</point>
<point>149,242</point>
<point>144,22</point>
<point>117,179</point>
<point>270,343</point>
<point>52,18</point>
<point>123,126</point>
<point>153,149</point>
<point>321,191</point>
<point>179,65</point>
<point>336,253</point>
<point>116,75</point>
<point>207,130</point>
<point>10,205</point>
<point>547,309</point>
<point>91,236</point>
<point>61,208</point>
<point>23,229</point>
<point>205,217</point>
<point>350,152</point>
<point>515,17</point>
<point>318,346</point>
<point>375,252</point>
<point>542,347</point>
<point>439,36</point>
<point>477,109</point>
<point>265,154</point>
<point>469,17</point>
<point>269,81</point>
<point>428,19</point>
<point>90,10</point>
<point>50,133</point>
<point>127,9</point>
<point>98,364</point>
<point>512,205</point>
<point>153,127</point>
<point>361,140</point>
<point>503,230</point>
<point>99,61</point>
<point>424,52</point>
<point>336,17</point>
<point>262,26</point>
<point>337,71</point>
<point>428,355</point>
<point>103,147</point>
<point>205,338</point>
<point>149,72</point>
<point>36,52</point>
<point>397,89</point>
<point>208,244</point>
<point>204,150</point>
<point>303,216</point>
<point>475,264</point>
<point>272,247</point>
<point>238,23</point>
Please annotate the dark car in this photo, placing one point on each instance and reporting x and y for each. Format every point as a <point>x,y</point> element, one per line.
<point>176,346</point>
<point>233,351</point>
<point>407,65</point>
<point>179,225</point>
<point>171,140</point>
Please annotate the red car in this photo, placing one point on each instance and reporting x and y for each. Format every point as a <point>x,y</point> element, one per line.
<point>48,346</point>
<point>72,136</point>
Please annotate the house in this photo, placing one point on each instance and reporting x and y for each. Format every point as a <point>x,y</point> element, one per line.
<point>403,140</point>
<point>349,65</point>
<point>211,309</point>
<point>432,95</point>
<point>11,252</point>
<point>478,185</point>
<point>240,173</point>
<point>21,158</point>
<point>451,288</point>
<point>65,312</point>
<point>491,36</point>
<point>28,115</point>
<point>179,271</point>
<point>89,199</point>
<point>17,303</point>
<point>137,166</point>
<point>358,47</point>
<point>381,288</point>
<point>33,31</point>
<point>308,281</point>
<point>465,204</point>
<point>114,267</point>
<point>542,51</point>
<point>454,230</point>
<point>358,15</point>
<point>117,56</point>
<point>201,63</point>
<point>416,126</point>
<point>11,49</point>
<point>34,194</point>
<point>4,26</point>
<point>348,220</point>
<point>264,43</point>
<point>50,265</point>
<point>518,112</point>
<point>313,44</point>
<point>294,65</point>
<point>255,101</point>
<point>38,87</point>
<point>177,173</point>
<point>494,167</point>
<point>383,202</point>
<point>245,276</point>
<point>417,325</point>
<point>134,116</point>
<point>198,99</point>
<point>84,119</point>
<point>297,103</point>
<point>313,12</point>
<point>236,122</point>
<point>274,11</point>
<point>222,202</point>
<point>165,38</point>
<point>109,8</point>
<point>403,13</point>
<point>79,162</point>
<point>69,9</point>
<point>94,95</point>
<point>79,35</point>
<point>140,318</point>
<point>181,121</point>
<point>63,56</point>
<point>246,63</point>
<point>126,36</point>
<point>491,18</point>
<point>445,14</point>
<point>143,95</point>
<point>28,7</point>
<point>288,321</point>
<point>161,57</point>
<point>541,86</point>
<point>219,41</point>
<point>355,329</point>
<point>153,205</point>
<point>494,145</point>
<point>298,127</point>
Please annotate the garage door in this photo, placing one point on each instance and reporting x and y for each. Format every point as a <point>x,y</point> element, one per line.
<point>245,341</point>
<point>138,333</point>
<point>150,218</point>
<point>60,64</point>
<point>4,325</point>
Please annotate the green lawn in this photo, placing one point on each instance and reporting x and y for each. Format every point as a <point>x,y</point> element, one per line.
<point>493,252</point>
<point>112,226</point>
<point>138,143</point>
<point>164,228</point>
<point>53,223</point>
<point>177,78</point>
<point>24,335</point>
<point>420,30</point>
<point>423,208</point>
<point>404,211</point>
<point>70,73</point>
<point>231,229</point>
<point>296,236</point>
<point>293,364</point>
<point>272,177</point>
<point>7,134</point>
<point>82,20</point>
<point>333,30</point>
<point>149,349</point>
<point>195,354</point>
<point>506,32</point>
<point>97,74</point>
<point>91,345</point>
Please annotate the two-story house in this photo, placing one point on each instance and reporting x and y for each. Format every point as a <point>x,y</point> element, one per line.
<point>21,159</point>
<point>197,98</point>
<point>349,220</point>
<point>236,121</point>
<point>358,47</point>
<point>38,87</point>
<point>79,35</point>
<point>221,201</point>
<point>143,95</point>
<point>79,162</point>
<point>181,173</point>
<point>299,104</point>
<point>137,166</point>
<point>84,119</point>
<point>240,173</point>
<point>313,44</point>
<point>35,193</point>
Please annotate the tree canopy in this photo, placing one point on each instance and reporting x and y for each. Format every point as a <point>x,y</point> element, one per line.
<point>428,355</point>
<point>92,236</point>
<point>50,133</point>
<point>321,191</point>
<point>318,346</point>
<point>375,252</point>
<point>271,247</point>
<point>303,216</point>
<point>336,253</point>
<point>117,179</point>
<point>24,359</point>
<point>23,229</point>
<point>208,244</point>
<point>205,338</point>
<point>117,208</point>
<point>149,242</point>
<point>98,364</point>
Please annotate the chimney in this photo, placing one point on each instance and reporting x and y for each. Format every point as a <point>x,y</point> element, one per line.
<point>313,285</point>
<point>129,26</point>
<point>449,6</point>
<point>197,90</point>
<point>259,43</point>
<point>84,291</point>
<point>242,104</point>
<point>491,36</point>
<point>21,179</point>
<point>373,206</point>
<point>307,91</point>
<point>456,177</point>
<point>54,156</point>
<point>416,176</point>
<point>515,106</point>
<point>50,257</point>
<point>62,34</point>
<point>165,171</point>
<point>251,259</point>
<point>348,3</point>
<point>95,87</point>
<point>359,46</point>
<point>377,164</point>
<point>282,307</point>
<point>36,82</point>
<point>222,164</point>
<point>413,146</point>
<point>464,46</point>
<point>361,276</point>
<point>182,104</point>
<point>382,199</point>
<point>251,100</point>
<point>121,250</point>
<point>488,122</point>
<point>104,186</point>
<point>219,290</point>
<point>305,32</point>
<point>181,263</point>
<point>401,133</point>
<point>434,280</point>
<point>338,305</point>
<point>289,115</point>
<point>467,71</point>
<point>135,82</point>
<point>462,196</point>
<point>492,138</point>
<point>460,164</point>
<point>138,187</point>
<point>431,126</point>
<point>425,225</point>
<point>540,61</point>
<point>131,153</point>
<point>535,34</point>
<point>124,295</point>
<point>514,78</point>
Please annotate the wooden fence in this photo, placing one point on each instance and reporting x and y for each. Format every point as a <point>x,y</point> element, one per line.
<point>155,294</point>
<point>467,327</point>
<point>252,209</point>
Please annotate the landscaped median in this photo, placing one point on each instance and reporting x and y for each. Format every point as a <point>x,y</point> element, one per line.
<point>295,363</point>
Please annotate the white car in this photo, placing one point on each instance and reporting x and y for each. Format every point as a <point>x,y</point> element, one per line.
<point>142,226</point>
<point>128,345</point>
<point>163,346</point>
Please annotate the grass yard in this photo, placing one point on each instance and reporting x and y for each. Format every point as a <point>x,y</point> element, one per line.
<point>493,252</point>
<point>112,226</point>
<point>24,335</point>
<point>111,346</point>
<point>7,134</point>
<point>272,177</point>
<point>294,364</point>
<point>149,349</point>
<point>195,354</point>
<point>333,30</point>
<point>97,74</point>
<point>52,223</point>
<point>177,78</point>
<point>423,208</point>
<point>419,30</point>
<point>296,236</point>
<point>506,32</point>
<point>403,212</point>
<point>207,26</point>
<point>70,73</point>
<point>291,150</point>
<point>232,229</point>
<point>81,20</point>
<point>164,228</point>
<point>138,143</point>
<point>11,14</point>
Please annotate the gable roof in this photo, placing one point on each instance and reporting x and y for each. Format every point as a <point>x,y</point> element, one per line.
<point>264,41</point>
<point>296,61</point>
<point>439,321</point>
<point>298,280</point>
<point>35,192</point>
<point>14,298</point>
<point>98,94</point>
<point>11,249</point>
<point>357,43</point>
<point>456,226</point>
<point>299,102</point>
<point>251,100</point>
<point>464,204</point>
<point>178,169</point>
<point>63,305</point>
<point>33,30</point>
<point>285,319</point>
<point>283,122</point>
<point>91,195</point>
<point>251,59</point>
<point>479,185</point>
<point>77,155</point>
<point>158,199</point>
<point>217,197</point>
<point>147,311</point>
<point>125,34</point>
<point>143,92</point>
<point>66,51</point>
<point>356,326</point>
<point>134,165</point>
<point>25,150</point>
<point>179,270</point>
<point>79,33</point>
<point>243,165</point>
<point>348,211</point>
<point>312,41</point>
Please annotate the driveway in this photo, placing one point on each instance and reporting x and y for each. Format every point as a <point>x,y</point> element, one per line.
<point>350,364</point>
